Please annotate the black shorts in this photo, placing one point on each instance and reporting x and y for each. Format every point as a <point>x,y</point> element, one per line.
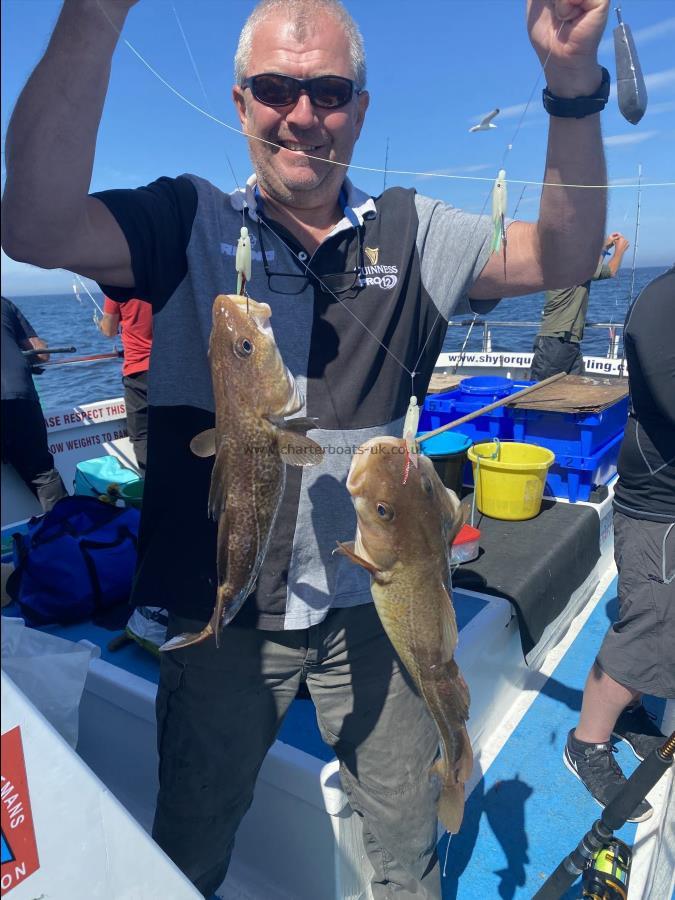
<point>639,648</point>
<point>553,355</point>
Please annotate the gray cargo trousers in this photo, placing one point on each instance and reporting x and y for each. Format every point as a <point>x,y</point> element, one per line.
<point>219,711</point>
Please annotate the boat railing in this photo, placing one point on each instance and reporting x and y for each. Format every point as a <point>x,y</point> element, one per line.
<point>485,328</point>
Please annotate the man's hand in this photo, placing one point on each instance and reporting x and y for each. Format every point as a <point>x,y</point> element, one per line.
<point>621,244</point>
<point>572,69</point>
<point>36,343</point>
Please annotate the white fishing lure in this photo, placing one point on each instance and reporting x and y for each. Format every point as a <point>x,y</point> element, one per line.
<point>242,260</point>
<point>410,426</point>
<point>499,201</point>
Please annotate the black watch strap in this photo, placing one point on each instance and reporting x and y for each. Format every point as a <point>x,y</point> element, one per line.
<point>578,107</point>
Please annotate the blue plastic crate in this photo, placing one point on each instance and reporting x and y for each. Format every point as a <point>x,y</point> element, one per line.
<point>570,434</point>
<point>472,394</point>
<point>574,477</point>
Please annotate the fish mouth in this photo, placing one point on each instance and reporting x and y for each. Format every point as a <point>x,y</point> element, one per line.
<point>250,306</point>
<point>370,456</point>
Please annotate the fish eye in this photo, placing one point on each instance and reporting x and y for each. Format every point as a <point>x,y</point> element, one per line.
<point>385,511</point>
<point>243,348</point>
<point>427,487</point>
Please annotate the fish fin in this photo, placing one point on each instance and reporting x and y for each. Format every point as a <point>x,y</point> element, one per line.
<point>346,548</point>
<point>204,443</point>
<point>187,639</point>
<point>218,488</point>
<point>448,631</point>
<point>301,424</point>
<point>298,450</point>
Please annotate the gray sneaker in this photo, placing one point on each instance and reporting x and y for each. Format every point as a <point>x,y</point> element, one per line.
<point>636,727</point>
<point>595,767</point>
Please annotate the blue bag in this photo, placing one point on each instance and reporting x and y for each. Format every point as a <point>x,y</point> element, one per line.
<point>94,477</point>
<point>75,562</point>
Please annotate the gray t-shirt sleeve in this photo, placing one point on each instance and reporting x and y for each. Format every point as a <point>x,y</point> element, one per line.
<point>454,247</point>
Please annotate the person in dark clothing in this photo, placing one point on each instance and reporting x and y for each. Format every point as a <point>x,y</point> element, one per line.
<point>557,346</point>
<point>24,435</point>
<point>636,656</point>
<point>134,318</point>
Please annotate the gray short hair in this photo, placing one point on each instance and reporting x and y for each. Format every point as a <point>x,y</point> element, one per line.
<point>303,13</point>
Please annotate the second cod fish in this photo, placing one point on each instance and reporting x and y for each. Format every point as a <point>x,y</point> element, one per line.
<point>403,538</point>
<point>252,442</point>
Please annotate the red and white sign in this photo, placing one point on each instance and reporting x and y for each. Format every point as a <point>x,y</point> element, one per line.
<point>19,848</point>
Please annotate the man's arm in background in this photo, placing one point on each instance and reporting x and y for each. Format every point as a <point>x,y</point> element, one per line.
<point>110,321</point>
<point>620,244</point>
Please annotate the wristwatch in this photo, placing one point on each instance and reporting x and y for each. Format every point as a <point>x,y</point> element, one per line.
<point>577,107</point>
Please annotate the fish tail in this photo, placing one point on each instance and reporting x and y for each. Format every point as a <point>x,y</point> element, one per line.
<point>453,778</point>
<point>187,638</point>
<point>451,807</point>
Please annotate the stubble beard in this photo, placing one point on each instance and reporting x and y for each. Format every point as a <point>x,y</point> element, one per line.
<point>301,193</point>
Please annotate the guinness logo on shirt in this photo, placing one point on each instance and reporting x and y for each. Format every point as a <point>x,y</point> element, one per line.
<point>372,253</point>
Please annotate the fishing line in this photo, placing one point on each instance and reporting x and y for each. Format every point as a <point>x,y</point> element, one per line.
<point>509,147</point>
<point>192,59</point>
<point>325,287</point>
<point>631,298</point>
<point>352,165</point>
<point>89,294</point>
<point>637,232</point>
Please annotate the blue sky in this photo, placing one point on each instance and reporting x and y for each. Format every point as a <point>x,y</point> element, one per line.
<point>434,69</point>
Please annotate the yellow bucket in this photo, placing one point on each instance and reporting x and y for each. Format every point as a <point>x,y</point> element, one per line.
<point>509,478</point>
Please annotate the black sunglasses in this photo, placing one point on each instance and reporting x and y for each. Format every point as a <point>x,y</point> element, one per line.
<point>325,91</point>
<point>292,283</point>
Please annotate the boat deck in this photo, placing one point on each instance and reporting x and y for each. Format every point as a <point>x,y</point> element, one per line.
<point>527,811</point>
<point>524,811</point>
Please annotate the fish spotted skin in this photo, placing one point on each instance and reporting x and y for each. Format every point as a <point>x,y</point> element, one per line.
<point>403,539</point>
<point>252,442</point>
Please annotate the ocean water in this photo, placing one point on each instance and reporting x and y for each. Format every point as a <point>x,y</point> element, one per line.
<point>65,320</point>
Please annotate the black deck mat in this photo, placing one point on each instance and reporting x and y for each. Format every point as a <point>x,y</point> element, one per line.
<point>536,564</point>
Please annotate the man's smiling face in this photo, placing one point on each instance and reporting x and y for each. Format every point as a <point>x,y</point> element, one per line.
<point>301,129</point>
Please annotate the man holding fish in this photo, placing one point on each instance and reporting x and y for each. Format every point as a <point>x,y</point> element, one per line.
<point>354,286</point>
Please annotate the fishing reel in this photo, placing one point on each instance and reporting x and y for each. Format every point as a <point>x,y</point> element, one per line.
<point>607,875</point>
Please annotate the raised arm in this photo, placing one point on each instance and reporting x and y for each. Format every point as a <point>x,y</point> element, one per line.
<point>48,219</point>
<point>563,246</point>
<point>620,244</point>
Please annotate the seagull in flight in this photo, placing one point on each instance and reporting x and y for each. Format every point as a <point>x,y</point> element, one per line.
<point>486,123</point>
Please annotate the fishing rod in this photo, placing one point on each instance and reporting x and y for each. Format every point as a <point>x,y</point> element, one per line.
<point>614,816</point>
<point>30,353</point>
<point>94,357</point>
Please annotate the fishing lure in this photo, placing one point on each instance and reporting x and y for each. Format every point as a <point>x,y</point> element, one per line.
<point>499,200</point>
<point>242,260</point>
<point>630,84</point>
<point>410,426</point>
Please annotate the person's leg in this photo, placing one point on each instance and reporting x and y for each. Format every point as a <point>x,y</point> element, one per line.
<point>635,658</point>
<point>576,365</point>
<point>552,355</point>
<point>136,402</point>
<point>539,369</point>
<point>386,742</point>
<point>604,700</point>
<point>218,712</point>
<point>28,450</point>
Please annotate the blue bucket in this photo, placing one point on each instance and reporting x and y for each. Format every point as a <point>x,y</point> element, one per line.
<point>448,452</point>
<point>486,386</point>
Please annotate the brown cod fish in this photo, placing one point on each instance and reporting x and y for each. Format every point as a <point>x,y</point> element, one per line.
<point>403,538</point>
<point>253,441</point>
